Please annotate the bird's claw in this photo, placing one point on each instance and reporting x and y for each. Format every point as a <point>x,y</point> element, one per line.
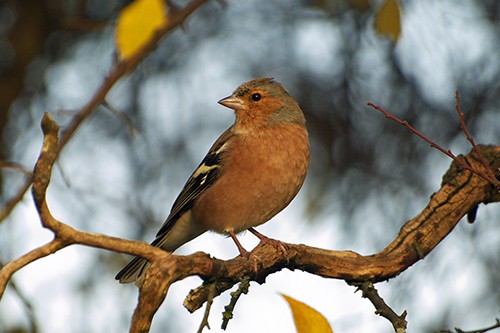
<point>278,245</point>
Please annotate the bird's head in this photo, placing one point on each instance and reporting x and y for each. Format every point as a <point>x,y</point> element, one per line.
<point>263,102</point>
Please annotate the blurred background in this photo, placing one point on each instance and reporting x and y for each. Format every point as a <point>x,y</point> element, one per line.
<point>368,175</point>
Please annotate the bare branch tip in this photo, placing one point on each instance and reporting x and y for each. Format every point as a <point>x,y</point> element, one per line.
<point>49,125</point>
<point>403,315</point>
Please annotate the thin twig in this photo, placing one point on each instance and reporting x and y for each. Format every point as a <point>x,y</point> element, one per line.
<point>64,234</point>
<point>211,294</point>
<point>382,309</point>
<point>15,167</point>
<point>13,266</point>
<point>448,152</point>
<point>235,296</point>
<point>480,330</point>
<point>33,326</point>
<point>122,117</point>
<point>119,69</point>
<point>480,157</point>
<point>10,204</point>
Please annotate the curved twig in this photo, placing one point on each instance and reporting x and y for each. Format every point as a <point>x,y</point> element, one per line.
<point>120,69</point>
<point>64,235</point>
<point>487,174</point>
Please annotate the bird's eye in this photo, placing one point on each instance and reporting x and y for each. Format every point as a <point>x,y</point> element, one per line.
<point>256,97</point>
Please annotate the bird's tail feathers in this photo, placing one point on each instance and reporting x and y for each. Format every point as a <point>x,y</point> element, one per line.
<point>177,234</point>
<point>133,270</point>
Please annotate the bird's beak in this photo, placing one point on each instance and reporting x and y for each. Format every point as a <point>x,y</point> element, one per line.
<point>232,102</point>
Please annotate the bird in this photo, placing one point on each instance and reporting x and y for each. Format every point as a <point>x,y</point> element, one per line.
<point>250,174</point>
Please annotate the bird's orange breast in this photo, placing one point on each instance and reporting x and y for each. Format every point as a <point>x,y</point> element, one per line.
<point>259,180</point>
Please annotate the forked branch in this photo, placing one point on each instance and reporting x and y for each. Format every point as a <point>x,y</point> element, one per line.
<point>119,70</point>
<point>482,171</point>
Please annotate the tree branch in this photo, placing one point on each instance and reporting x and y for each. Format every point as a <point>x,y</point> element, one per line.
<point>486,174</point>
<point>64,235</point>
<point>119,69</point>
<point>204,322</point>
<point>487,170</point>
<point>464,187</point>
<point>28,306</point>
<point>480,330</point>
<point>461,191</point>
<point>398,321</point>
<point>227,315</point>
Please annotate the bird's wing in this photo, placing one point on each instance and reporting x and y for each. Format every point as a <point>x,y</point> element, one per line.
<point>202,178</point>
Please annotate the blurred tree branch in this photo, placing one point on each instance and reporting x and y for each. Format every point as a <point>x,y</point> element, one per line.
<point>480,330</point>
<point>120,69</point>
<point>27,304</point>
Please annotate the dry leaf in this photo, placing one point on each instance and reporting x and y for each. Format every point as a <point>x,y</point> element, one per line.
<point>307,319</point>
<point>136,25</point>
<point>387,19</point>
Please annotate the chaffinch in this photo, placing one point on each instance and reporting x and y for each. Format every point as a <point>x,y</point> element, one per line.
<point>250,174</point>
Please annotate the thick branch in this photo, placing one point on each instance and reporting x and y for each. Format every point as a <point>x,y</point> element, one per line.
<point>162,273</point>
<point>64,235</point>
<point>120,69</point>
<point>52,146</point>
<point>461,192</point>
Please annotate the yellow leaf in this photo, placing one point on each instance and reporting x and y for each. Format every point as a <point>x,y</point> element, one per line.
<point>387,19</point>
<point>136,25</point>
<point>307,319</point>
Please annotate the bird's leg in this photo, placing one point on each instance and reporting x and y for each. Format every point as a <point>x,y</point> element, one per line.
<point>274,242</point>
<point>244,253</point>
